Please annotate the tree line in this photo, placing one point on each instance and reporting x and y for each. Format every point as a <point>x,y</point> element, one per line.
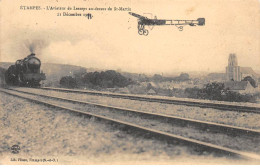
<point>104,79</point>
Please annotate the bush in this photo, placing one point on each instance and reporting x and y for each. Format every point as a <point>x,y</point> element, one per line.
<point>68,81</point>
<point>107,79</point>
<point>192,92</point>
<point>237,97</point>
<point>213,91</point>
<point>217,91</point>
<point>251,80</point>
<point>182,77</point>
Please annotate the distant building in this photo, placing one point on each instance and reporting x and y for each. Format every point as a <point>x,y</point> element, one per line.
<point>243,87</point>
<point>154,84</point>
<point>237,73</point>
<point>216,77</point>
<point>151,92</point>
<point>248,71</point>
<point>233,70</point>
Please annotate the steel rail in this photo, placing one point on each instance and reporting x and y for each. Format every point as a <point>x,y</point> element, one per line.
<point>204,145</point>
<point>216,105</point>
<point>210,126</point>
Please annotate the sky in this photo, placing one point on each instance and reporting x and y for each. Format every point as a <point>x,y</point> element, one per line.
<point>110,40</point>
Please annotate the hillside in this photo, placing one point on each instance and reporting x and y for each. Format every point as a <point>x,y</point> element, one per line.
<point>54,72</point>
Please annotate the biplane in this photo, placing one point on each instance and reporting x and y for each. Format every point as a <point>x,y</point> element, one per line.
<point>143,21</point>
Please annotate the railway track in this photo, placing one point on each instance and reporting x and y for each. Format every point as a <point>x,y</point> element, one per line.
<point>203,125</point>
<point>231,130</point>
<point>190,102</point>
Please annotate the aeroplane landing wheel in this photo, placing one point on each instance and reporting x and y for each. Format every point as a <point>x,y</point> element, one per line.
<point>180,28</point>
<point>141,31</point>
<point>146,32</point>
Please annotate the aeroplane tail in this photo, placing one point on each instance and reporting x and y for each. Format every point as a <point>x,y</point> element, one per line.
<point>201,21</point>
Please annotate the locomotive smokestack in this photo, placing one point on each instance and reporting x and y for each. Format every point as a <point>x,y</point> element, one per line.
<point>31,55</point>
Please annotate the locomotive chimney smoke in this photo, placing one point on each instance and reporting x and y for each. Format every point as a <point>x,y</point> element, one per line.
<point>35,45</point>
<point>32,48</point>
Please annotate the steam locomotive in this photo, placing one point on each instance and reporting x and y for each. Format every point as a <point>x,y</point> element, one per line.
<point>25,72</point>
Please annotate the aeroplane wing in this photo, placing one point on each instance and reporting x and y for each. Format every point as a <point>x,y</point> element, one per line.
<point>138,16</point>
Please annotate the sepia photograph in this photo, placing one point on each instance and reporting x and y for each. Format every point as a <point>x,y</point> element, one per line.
<point>134,82</point>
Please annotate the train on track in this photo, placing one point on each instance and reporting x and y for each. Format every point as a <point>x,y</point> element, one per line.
<point>25,72</point>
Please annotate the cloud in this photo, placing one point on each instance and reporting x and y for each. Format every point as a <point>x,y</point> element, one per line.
<point>22,42</point>
<point>85,53</point>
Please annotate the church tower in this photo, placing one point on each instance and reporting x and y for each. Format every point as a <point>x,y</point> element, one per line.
<point>233,70</point>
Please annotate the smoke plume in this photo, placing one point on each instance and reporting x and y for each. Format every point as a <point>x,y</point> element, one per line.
<point>36,45</point>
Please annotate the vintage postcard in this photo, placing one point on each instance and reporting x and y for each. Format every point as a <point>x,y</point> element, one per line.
<point>170,82</point>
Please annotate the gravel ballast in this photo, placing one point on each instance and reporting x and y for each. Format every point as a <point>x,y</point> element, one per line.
<point>45,132</point>
<point>241,142</point>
